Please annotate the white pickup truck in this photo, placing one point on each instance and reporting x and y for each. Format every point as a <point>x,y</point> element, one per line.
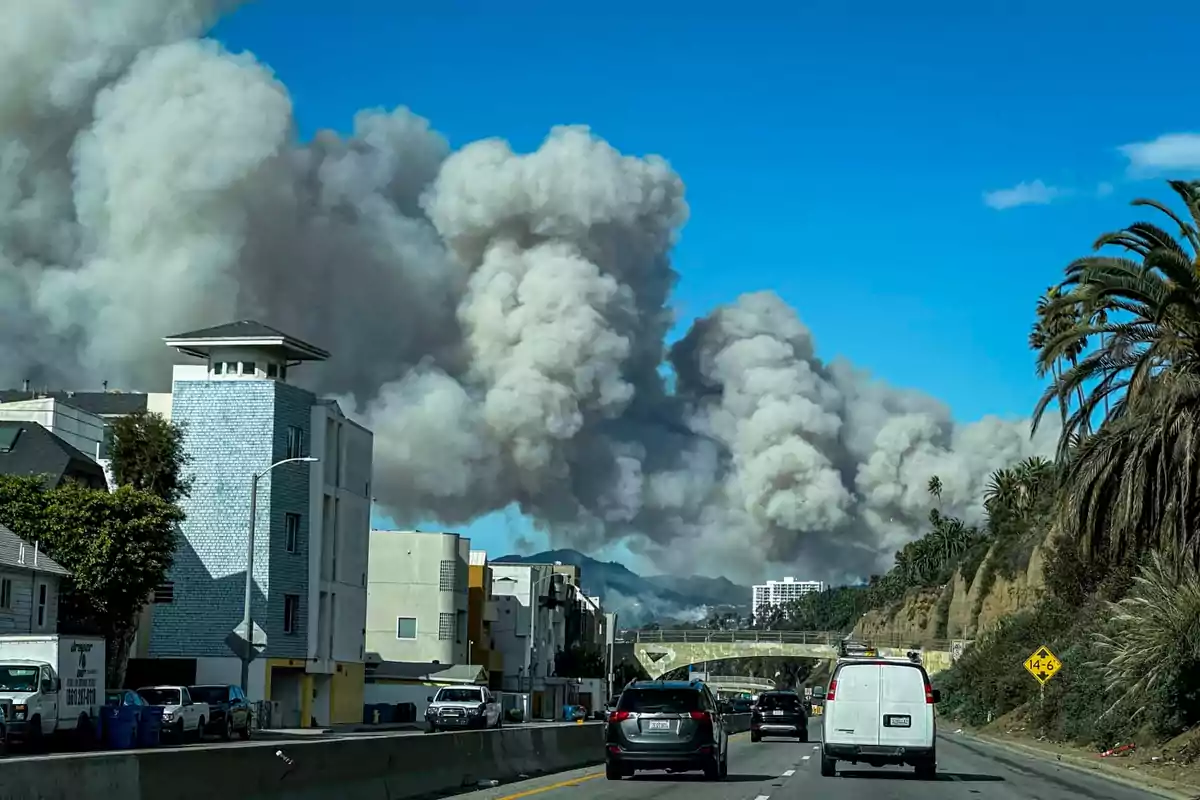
<point>182,717</point>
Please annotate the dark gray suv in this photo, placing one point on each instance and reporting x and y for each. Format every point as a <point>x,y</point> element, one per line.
<point>673,725</point>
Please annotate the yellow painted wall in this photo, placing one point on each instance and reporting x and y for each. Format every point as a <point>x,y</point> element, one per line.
<point>306,686</point>
<point>346,694</point>
<point>479,585</point>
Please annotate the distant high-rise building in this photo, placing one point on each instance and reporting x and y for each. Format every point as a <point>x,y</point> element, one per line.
<point>773,594</point>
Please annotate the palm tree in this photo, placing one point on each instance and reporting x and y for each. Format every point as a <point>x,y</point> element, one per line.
<point>1057,317</point>
<point>1135,483</point>
<point>1155,635</point>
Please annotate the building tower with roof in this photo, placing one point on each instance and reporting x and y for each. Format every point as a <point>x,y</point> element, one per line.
<point>241,414</point>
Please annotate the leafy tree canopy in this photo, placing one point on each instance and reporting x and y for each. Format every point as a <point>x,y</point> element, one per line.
<point>148,454</point>
<point>118,547</point>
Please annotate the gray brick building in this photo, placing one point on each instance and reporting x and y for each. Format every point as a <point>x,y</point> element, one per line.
<point>241,416</point>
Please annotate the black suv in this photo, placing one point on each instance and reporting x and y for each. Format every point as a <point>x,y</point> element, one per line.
<point>779,714</point>
<point>673,725</point>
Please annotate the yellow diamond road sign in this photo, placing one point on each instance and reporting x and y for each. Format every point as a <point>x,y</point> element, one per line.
<point>1043,665</point>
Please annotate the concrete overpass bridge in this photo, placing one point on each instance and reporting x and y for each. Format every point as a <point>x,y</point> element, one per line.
<point>739,683</point>
<point>660,652</point>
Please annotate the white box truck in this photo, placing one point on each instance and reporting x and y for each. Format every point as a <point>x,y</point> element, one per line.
<point>51,684</point>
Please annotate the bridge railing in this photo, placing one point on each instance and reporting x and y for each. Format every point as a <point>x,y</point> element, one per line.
<point>827,638</point>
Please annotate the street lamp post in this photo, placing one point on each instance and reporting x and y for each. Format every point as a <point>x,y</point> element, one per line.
<point>247,617</point>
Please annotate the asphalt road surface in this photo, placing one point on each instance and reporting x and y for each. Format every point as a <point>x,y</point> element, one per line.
<point>781,769</point>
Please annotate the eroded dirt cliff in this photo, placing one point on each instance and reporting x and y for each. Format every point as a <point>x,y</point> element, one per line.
<point>964,607</point>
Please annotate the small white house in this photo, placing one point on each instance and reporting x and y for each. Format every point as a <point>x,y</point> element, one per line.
<point>29,586</point>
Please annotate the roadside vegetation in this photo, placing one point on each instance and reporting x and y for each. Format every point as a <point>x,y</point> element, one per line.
<point>1118,509</point>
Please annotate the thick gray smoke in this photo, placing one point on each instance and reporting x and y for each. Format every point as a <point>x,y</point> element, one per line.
<point>497,318</point>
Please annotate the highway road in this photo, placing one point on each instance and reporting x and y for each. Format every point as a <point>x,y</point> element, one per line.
<point>786,770</point>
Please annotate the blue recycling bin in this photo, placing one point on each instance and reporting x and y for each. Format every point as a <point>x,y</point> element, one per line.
<point>149,731</point>
<point>119,727</point>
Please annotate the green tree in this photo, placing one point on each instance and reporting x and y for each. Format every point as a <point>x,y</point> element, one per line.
<point>1132,485</point>
<point>118,547</point>
<point>148,454</point>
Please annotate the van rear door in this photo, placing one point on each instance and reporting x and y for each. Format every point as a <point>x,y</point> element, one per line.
<point>906,716</point>
<point>852,707</point>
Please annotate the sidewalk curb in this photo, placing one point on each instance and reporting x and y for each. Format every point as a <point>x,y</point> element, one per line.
<point>1146,782</point>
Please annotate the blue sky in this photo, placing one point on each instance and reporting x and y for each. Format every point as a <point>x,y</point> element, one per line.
<point>838,153</point>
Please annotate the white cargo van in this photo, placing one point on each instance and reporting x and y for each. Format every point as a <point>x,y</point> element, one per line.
<point>50,684</point>
<point>879,711</point>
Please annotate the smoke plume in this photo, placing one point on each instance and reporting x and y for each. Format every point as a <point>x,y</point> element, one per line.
<point>497,318</point>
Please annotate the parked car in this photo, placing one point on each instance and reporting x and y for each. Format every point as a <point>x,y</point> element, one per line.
<point>182,716</point>
<point>778,714</point>
<point>880,711</point>
<point>463,707</point>
<point>673,725</point>
<point>228,709</point>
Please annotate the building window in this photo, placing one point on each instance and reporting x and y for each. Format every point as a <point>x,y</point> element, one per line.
<point>164,592</point>
<point>446,577</point>
<point>272,370</point>
<point>295,442</point>
<point>291,613</point>
<point>406,628</point>
<point>41,605</point>
<point>6,593</point>
<point>291,532</point>
<point>248,367</point>
<point>446,627</point>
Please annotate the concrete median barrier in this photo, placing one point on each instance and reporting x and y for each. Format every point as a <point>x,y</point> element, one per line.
<point>375,768</point>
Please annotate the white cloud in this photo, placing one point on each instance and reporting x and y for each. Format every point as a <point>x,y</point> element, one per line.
<point>1034,193</point>
<point>1171,151</point>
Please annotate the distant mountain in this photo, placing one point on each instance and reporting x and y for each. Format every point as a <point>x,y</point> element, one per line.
<point>638,600</point>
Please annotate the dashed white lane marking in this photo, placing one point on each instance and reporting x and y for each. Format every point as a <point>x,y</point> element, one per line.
<point>816,747</point>
<point>763,797</point>
<point>789,773</point>
<point>805,758</point>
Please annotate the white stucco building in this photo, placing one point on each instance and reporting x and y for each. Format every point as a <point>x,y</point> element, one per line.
<point>417,597</point>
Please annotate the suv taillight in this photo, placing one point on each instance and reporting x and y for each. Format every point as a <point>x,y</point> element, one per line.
<point>702,716</point>
<point>829,693</point>
<point>618,716</point>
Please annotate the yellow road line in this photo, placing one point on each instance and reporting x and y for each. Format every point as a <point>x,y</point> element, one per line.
<point>551,787</point>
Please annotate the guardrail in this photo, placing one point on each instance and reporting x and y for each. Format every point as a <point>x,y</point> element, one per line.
<point>826,638</point>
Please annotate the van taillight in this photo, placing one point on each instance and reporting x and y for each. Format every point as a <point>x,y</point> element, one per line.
<point>829,693</point>
<point>928,694</point>
<point>618,716</point>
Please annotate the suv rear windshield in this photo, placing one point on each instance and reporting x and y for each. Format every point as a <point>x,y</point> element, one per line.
<point>656,701</point>
<point>213,695</point>
<point>778,702</point>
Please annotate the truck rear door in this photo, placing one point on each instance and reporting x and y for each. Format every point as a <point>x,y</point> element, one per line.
<point>852,705</point>
<point>905,713</point>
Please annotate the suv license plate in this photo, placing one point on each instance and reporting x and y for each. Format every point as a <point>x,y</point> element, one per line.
<point>660,725</point>
<point>776,713</point>
<point>897,721</point>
